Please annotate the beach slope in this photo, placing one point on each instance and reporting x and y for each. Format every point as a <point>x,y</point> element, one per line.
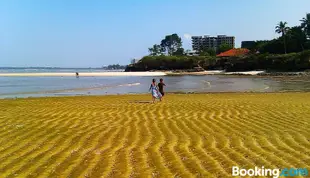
<point>195,135</point>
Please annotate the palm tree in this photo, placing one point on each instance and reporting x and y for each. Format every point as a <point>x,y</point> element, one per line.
<point>281,28</point>
<point>305,24</point>
<point>297,33</point>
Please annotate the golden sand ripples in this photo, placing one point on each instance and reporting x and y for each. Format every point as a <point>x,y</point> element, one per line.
<point>196,135</point>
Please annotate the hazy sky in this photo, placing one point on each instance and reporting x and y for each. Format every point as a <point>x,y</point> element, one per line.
<point>92,33</point>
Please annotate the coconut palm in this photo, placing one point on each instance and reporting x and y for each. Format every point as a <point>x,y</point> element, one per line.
<point>281,28</point>
<point>297,34</point>
<point>305,24</point>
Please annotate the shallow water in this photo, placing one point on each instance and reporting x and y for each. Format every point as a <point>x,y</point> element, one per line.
<point>66,86</point>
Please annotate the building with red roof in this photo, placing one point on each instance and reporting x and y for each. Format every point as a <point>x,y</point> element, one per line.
<point>234,52</point>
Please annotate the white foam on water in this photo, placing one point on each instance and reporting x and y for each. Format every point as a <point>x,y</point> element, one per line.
<point>129,84</point>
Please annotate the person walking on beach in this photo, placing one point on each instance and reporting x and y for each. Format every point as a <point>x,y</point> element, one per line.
<point>161,85</point>
<point>155,93</point>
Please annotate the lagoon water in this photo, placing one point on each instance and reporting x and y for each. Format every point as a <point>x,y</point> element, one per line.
<point>21,86</point>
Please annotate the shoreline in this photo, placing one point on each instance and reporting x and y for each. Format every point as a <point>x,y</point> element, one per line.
<point>84,74</point>
<point>213,72</point>
<point>147,94</point>
<point>161,73</point>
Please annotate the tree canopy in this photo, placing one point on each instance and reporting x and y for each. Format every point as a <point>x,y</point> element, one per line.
<point>265,54</point>
<point>305,24</point>
<point>223,47</point>
<point>171,43</point>
<point>156,50</point>
<point>292,39</point>
<point>282,28</point>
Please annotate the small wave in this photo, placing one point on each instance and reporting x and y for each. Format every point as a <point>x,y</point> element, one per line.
<point>207,82</point>
<point>129,84</point>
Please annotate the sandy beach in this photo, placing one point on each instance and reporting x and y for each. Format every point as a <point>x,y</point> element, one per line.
<point>245,73</point>
<point>187,135</point>
<point>151,73</point>
<point>115,74</point>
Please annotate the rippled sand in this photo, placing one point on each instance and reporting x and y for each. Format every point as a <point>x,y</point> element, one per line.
<point>198,135</point>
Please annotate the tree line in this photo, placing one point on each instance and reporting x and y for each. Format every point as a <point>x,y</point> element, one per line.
<point>289,52</point>
<point>292,39</point>
<point>269,62</point>
<point>114,67</point>
<point>171,45</point>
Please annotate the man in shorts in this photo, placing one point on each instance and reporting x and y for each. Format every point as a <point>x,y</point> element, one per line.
<point>161,85</point>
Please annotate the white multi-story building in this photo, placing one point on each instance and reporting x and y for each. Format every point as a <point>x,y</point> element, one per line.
<point>209,42</point>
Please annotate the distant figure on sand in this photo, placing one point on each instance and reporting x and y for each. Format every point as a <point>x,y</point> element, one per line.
<point>155,93</point>
<point>77,74</point>
<point>161,85</point>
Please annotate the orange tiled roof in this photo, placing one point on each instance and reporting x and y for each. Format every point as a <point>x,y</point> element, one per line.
<point>234,52</point>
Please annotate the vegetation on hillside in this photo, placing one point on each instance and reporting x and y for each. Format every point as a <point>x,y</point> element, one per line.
<point>170,45</point>
<point>293,39</point>
<point>289,52</point>
<point>271,62</point>
<point>114,67</point>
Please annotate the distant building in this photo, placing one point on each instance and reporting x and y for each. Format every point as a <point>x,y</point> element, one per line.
<point>209,42</point>
<point>191,53</point>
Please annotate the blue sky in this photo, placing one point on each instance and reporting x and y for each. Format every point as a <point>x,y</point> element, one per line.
<point>81,33</point>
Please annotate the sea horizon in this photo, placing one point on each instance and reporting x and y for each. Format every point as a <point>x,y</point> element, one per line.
<point>54,70</point>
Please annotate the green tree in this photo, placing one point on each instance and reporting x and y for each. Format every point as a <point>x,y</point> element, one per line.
<point>203,51</point>
<point>156,50</point>
<point>260,44</point>
<point>274,46</point>
<point>250,45</point>
<point>296,39</point>
<point>305,24</point>
<point>207,52</point>
<point>179,52</point>
<point>223,47</point>
<point>211,52</point>
<point>281,28</point>
<point>171,43</point>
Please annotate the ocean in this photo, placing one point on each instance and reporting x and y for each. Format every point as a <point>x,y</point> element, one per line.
<point>40,86</point>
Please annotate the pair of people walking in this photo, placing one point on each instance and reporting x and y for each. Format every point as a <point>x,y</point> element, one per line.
<point>157,90</point>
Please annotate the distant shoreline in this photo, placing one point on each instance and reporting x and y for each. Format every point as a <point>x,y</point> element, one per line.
<point>155,73</point>
<point>241,73</point>
<point>213,72</point>
<point>82,74</point>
